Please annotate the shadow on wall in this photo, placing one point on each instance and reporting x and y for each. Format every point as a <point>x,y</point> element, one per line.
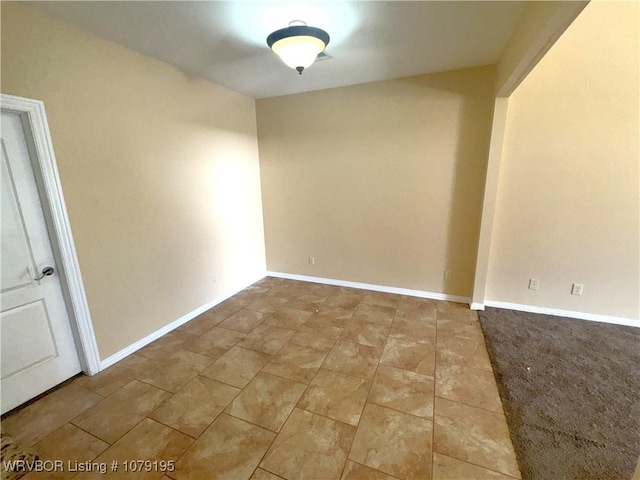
<point>465,214</point>
<point>381,182</point>
<point>473,132</point>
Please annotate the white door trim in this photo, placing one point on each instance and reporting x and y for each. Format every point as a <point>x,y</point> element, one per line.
<point>35,118</point>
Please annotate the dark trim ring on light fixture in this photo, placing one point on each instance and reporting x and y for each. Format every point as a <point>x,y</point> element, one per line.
<point>298,31</point>
<point>298,45</point>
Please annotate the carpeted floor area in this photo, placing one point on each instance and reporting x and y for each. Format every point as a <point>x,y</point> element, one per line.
<point>13,452</point>
<point>571,393</point>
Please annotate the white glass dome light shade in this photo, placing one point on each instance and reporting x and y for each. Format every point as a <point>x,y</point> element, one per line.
<point>298,51</point>
<point>298,45</point>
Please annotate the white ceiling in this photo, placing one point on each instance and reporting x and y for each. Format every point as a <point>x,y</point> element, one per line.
<point>225,42</point>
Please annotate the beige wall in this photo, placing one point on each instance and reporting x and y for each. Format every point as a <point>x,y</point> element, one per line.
<point>568,195</point>
<point>489,202</point>
<point>159,170</point>
<point>381,183</point>
<point>540,26</point>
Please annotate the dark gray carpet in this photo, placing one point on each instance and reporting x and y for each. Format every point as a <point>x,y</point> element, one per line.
<point>12,452</point>
<point>571,393</point>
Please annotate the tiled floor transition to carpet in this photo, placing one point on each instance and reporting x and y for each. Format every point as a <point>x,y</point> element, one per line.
<point>290,380</point>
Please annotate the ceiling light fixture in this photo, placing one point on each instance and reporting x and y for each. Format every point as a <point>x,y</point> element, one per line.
<point>298,45</point>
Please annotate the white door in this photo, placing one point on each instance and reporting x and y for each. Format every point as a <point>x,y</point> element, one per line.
<point>38,349</point>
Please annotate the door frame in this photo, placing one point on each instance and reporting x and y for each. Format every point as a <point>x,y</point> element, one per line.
<point>38,136</point>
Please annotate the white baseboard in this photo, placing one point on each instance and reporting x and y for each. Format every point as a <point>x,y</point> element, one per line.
<point>565,313</point>
<point>477,306</point>
<point>369,286</point>
<point>143,342</point>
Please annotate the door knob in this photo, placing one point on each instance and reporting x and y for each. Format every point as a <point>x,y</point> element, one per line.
<point>46,272</point>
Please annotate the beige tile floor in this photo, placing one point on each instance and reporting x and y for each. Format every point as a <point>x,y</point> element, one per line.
<point>290,380</point>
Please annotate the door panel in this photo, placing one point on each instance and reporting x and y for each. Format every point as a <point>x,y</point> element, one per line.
<point>38,349</point>
<point>34,318</point>
<point>16,251</point>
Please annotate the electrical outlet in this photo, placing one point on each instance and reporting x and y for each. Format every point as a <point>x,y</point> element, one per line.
<point>576,289</point>
<point>312,260</point>
<point>534,284</point>
<point>447,274</point>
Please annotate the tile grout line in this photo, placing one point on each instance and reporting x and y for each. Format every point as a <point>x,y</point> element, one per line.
<point>399,411</point>
<point>109,445</point>
<point>277,433</point>
<point>366,398</point>
<point>374,469</point>
<point>435,383</point>
<point>470,406</point>
<point>294,407</point>
<point>222,411</point>
<point>476,465</point>
<point>297,403</point>
<point>305,391</point>
<point>70,422</point>
<point>266,470</point>
<point>391,408</point>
